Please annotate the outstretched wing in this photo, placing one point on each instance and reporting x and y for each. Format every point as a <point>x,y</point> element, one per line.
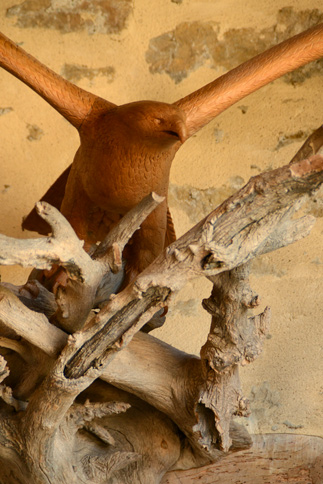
<point>72,102</point>
<point>69,100</point>
<point>206,103</point>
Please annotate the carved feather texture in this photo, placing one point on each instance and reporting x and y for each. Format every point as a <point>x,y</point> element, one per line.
<point>126,151</point>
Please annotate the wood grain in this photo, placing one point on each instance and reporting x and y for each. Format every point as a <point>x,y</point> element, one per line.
<point>273,459</point>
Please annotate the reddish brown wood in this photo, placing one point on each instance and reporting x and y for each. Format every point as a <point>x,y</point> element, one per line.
<point>126,151</point>
<point>181,407</point>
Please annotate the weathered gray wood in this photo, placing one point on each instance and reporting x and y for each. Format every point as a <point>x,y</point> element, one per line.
<point>35,296</point>
<point>63,247</point>
<point>273,459</point>
<point>214,245</point>
<point>177,394</point>
<point>110,249</point>
<point>82,288</point>
<point>31,326</point>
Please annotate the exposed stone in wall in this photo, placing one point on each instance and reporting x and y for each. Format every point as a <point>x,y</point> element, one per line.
<point>94,16</point>
<point>183,50</point>
<point>75,73</point>
<point>192,44</point>
<point>198,203</point>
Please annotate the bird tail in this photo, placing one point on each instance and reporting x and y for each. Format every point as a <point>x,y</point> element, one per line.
<point>69,100</point>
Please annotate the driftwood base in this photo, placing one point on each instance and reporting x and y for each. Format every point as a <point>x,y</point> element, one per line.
<point>273,459</point>
<point>156,408</point>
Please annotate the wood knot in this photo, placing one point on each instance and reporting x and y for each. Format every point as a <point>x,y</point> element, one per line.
<point>211,262</point>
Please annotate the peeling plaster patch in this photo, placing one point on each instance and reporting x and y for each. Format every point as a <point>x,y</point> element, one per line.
<point>5,188</point>
<point>243,109</point>
<point>183,50</point>
<point>292,426</point>
<point>35,133</point>
<point>236,182</point>
<point>186,308</point>
<point>263,395</point>
<point>94,16</point>
<point>75,73</point>
<point>264,403</point>
<point>5,111</point>
<point>264,406</point>
<point>192,44</point>
<point>256,167</point>
<point>286,139</point>
<point>219,135</point>
<point>263,266</point>
<point>198,203</point>
<point>303,73</point>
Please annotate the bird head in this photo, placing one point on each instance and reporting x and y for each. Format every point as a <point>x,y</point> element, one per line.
<point>154,122</point>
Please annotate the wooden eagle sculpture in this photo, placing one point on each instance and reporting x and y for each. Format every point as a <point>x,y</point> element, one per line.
<point>126,151</point>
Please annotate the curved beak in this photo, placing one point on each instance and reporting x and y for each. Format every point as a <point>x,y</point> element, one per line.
<point>178,129</point>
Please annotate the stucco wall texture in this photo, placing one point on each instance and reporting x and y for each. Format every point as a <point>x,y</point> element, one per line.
<point>127,50</point>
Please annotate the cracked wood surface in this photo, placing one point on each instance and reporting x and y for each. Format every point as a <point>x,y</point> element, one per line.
<point>258,219</point>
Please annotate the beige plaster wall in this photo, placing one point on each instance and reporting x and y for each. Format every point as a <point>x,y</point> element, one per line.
<point>150,49</point>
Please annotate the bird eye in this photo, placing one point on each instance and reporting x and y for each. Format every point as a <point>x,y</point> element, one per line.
<point>172,133</point>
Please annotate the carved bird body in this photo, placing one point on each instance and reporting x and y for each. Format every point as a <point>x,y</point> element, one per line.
<point>126,151</point>
<point>123,144</point>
